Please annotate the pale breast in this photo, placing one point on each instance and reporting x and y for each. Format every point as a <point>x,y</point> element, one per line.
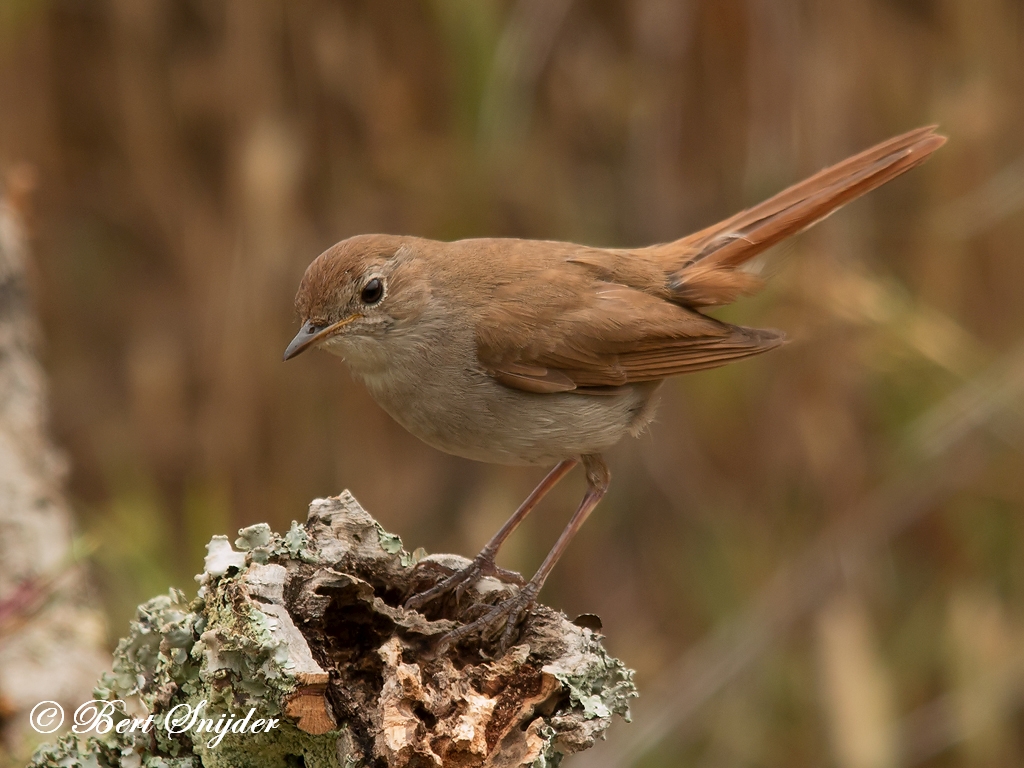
<point>440,394</point>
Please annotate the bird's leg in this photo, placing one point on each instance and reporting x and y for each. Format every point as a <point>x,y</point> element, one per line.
<point>515,609</point>
<point>483,564</point>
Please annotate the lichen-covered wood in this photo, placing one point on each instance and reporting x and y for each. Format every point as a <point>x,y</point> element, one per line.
<point>309,628</point>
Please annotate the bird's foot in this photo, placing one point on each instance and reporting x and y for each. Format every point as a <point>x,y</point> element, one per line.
<point>482,565</point>
<point>508,614</point>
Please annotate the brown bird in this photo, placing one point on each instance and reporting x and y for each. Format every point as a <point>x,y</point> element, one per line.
<point>536,352</point>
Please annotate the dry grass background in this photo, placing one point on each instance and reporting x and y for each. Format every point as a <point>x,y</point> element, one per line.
<point>813,558</point>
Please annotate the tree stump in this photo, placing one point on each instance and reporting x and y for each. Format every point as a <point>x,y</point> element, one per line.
<point>308,628</point>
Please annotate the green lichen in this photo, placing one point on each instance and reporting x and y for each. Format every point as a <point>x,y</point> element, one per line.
<point>598,685</point>
<point>602,687</point>
<point>296,544</point>
<point>392,544</point>
<point>389,542</point>
<point>254,536</point>
<point>216,649</point>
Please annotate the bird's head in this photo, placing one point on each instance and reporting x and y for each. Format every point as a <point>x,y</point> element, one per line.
<point>362,287</point>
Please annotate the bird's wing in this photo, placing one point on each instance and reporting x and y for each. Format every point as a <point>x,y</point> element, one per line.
<point>574,333</point>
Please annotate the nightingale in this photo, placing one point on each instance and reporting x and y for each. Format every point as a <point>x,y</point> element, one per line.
<point>548,353</point>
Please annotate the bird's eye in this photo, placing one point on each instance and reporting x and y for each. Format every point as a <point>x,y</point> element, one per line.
<point>372,292</point>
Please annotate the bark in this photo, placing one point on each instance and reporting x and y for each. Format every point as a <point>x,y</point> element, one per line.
<point>309,628</point>
<point>52,637</point>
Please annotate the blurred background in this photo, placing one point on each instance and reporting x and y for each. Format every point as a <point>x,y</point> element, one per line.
<point>813,558</point>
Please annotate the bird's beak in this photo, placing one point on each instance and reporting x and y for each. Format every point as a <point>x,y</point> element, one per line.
<point>310,334</point>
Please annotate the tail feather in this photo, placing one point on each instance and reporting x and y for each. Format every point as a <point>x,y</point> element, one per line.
<point>703,267</point>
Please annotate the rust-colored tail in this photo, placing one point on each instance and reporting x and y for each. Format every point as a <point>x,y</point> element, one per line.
<point>703,266</point>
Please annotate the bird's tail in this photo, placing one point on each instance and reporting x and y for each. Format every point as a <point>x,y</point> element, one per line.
<point>704,267</point>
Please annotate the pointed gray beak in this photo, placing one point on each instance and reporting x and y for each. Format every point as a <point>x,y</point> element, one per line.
<point>310,334</point>
<point>305,338</point>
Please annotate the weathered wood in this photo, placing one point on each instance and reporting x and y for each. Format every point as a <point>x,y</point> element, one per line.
<point>309,628</point>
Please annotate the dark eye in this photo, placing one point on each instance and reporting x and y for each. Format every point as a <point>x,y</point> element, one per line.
<point>372,291</point>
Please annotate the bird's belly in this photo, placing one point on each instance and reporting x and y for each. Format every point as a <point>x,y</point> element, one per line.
<point>477,418</point>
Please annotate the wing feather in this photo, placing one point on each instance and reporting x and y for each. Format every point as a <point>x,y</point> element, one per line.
<point>604,336</point>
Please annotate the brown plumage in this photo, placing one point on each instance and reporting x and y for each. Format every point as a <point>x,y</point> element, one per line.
<point>525,351</point>
<point>631,328</point>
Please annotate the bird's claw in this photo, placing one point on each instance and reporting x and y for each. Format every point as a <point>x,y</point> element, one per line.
<point>482,565</point>
<point>509,613</point>
<point>513,611</point>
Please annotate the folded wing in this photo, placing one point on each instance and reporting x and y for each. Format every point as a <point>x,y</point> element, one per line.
<point>617,335</point>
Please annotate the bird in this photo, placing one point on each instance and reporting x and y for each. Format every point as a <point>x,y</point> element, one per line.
<point>535,352</point>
